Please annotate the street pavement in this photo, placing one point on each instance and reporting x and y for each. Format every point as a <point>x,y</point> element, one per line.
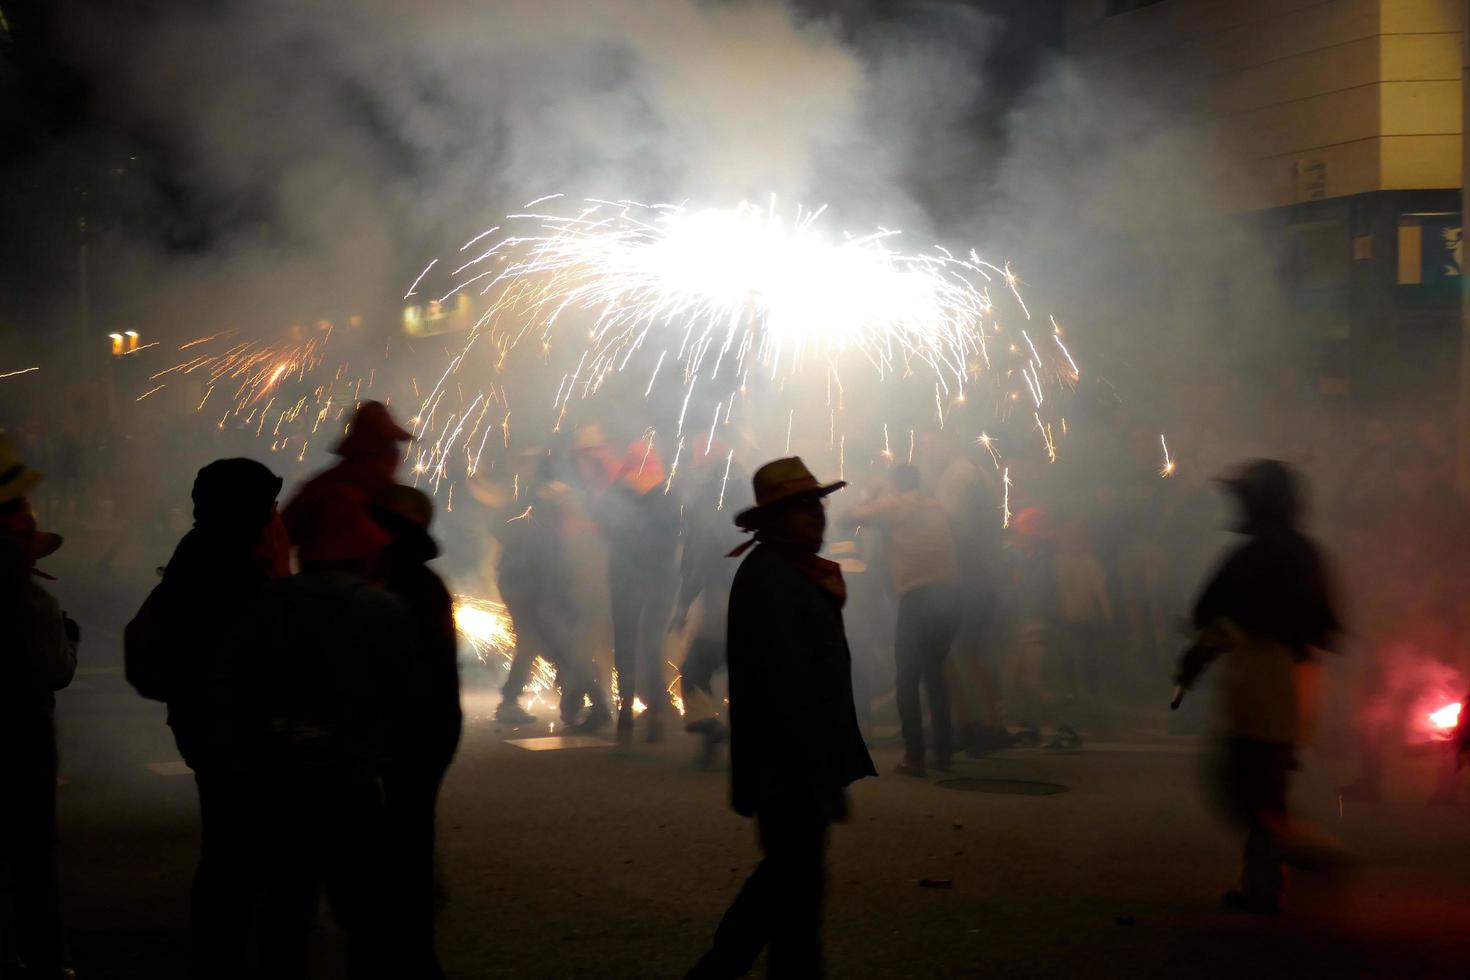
<point>591,862</point>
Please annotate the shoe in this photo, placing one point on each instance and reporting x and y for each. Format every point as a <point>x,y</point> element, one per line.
<point>512,713</point>
<point>597,719</point>
<point>1065,740</point>
<point>1254,904</point>
<point>1029,737</point>
<point>909,767</point>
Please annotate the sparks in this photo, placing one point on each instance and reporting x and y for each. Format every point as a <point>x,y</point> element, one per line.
<point>728,460</point>
<point>1169,467</point>
<point>414,288</point>
<point>1005,502</point>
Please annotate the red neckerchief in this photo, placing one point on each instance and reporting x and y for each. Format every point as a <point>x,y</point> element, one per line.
<point>826,574</point>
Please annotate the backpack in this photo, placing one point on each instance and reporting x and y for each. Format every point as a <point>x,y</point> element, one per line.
<point>145,658</point>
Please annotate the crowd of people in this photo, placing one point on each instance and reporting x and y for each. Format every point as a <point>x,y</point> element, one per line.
<point>308,659</point>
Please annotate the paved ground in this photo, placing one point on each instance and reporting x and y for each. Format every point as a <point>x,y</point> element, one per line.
<point>591,863</point>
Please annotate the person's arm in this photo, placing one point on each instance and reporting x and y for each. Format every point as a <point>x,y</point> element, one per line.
<point>54,639</point>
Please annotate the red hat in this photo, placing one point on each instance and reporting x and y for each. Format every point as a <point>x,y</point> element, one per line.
<point>372,432</point>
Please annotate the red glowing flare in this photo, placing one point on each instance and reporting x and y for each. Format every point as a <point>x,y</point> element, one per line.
<point>1446,718</point>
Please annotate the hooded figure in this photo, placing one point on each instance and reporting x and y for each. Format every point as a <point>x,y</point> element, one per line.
<point>795,744</point>
<point>1263,613</point>
<point>236,546</point>
<point>38,656</point>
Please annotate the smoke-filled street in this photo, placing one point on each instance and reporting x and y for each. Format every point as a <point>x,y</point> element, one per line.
<point>592,863</point>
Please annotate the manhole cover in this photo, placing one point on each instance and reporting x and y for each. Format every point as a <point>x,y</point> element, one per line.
<point>1008,787</point>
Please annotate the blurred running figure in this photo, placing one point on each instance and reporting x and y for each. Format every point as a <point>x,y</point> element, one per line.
<point>794,739</point>
<point>1265,611</point>
<point>706,574</point>
<point>923,568</point>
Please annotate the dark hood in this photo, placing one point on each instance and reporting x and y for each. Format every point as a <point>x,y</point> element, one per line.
<point>1269,495</point>
<point>234,496</point>
<point>412,543</point>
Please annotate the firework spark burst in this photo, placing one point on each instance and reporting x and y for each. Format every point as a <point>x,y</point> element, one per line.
<point>715,300</point>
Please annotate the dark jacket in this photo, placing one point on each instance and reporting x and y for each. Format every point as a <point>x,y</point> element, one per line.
<point>794,732</point>
<point>1274,588</point>
<point>38,651</point>
<point>318,678</point>
<point>431,725</point>
<point>207,591</point>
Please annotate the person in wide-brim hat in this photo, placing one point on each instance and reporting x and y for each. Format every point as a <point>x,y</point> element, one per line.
<point>782,481</point>
<point>16,478</point>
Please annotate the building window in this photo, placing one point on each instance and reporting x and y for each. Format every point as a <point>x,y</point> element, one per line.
<point>1116,7</point>
<point>1430,248</point>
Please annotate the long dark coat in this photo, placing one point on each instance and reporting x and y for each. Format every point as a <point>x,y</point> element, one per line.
<point>794,732</point>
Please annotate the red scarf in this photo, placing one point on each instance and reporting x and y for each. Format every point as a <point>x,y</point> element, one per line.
<point>826,574</point>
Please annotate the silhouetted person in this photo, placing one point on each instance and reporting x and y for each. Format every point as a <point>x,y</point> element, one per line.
<point>208,591</point>
<point>38,656</point>
<point>641,524</point>
<point>428,729</point>
<point>794,739</point>
<point>924,571</point>
<point>317,684</point>
<point>369,461</point>
<point>538,588</point>
<point>1263,613</point>
<point>706,573</point>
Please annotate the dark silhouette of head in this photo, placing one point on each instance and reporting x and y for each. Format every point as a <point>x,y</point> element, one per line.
<point>235,496</point>
<point>1269,494</point>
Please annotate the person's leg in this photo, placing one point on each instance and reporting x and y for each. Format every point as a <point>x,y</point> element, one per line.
<point>31,849</point>
<point>522,606</point>
<point>659,592</point>
<point>225,889</point>
<point>796,847</point>
<point>1264,873</point>
<point>746,926</point>
<point>626,593</point>
<point>942,617</point>
<point>358,866</point>
<point>410,797</point>
<point>290,873</point>
<point>908,653</point>
<point>1259,771</point>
